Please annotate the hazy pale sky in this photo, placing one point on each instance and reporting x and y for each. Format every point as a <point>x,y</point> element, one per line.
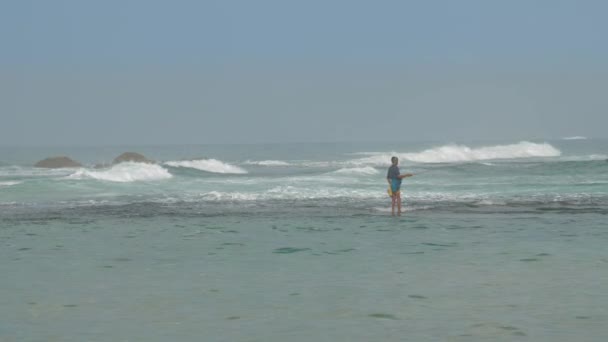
<point>158,72</point>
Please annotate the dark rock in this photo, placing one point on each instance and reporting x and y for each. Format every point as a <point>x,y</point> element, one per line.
<point>57,163</point>
<point>132,157</point>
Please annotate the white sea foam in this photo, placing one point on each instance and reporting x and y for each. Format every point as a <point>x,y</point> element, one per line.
<point>290,193</point>
<point>208,165</point>
<point>315,164</point>
<point>125,172</point>
<point>19,171</point>
<point>9,183</point>
<point>462,153</point>
<point>366,170</point>
<point>267,163</point>
<point>229,196</point>
<point>590,157</point>
<point>575,138</point>
<point>405,209</point>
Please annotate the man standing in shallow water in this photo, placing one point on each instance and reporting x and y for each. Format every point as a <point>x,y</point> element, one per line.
<point>394,178</point>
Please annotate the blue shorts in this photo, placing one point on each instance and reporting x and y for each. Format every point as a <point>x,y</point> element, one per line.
<point>395,185</point>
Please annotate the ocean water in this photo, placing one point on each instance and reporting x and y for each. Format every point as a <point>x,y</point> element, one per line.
<point>501,241</point>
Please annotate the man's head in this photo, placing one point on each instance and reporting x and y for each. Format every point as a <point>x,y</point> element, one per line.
<point>395,160</point>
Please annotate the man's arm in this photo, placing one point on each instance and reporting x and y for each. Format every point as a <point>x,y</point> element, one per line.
<point>405,175</point>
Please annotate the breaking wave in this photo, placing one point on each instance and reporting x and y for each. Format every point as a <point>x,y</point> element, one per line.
<point>590,157</point>
<point>575,138</point>
<point>9,183</point>
<point>125,172</point>
<point>462,153</point>
<point>208,165</point>
<point>267,163</point>
<point>19,171</point>
<point>367,170</point>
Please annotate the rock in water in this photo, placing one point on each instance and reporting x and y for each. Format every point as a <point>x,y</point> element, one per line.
<point>57,163</point>
<point>132,157</point>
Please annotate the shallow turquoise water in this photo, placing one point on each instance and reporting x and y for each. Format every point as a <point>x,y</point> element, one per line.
<point>427,276</point>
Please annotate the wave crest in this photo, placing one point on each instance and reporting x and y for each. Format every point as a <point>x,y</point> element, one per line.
<point>462,153</point>
<point>208,165</point>
<point>267,163</point>
<point>366,170</point>
<point>9,183</point>
<point>125,172</point>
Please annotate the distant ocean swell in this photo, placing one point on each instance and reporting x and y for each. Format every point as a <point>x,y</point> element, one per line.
<point>452,177</point>
<point>443,154</point>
